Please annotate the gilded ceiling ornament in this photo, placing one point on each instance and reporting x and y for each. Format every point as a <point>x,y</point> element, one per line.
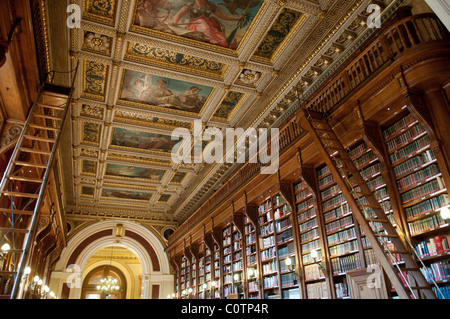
<point>97,42</point>
<point>249,76</point>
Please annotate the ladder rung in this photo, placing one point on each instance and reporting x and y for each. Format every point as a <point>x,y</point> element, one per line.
<point>38,138</point>
<point>57,107</point>
<point>16,211</point>
<point>375,220</point>
<point>16,194</point>
<point>4,272</point>
<point>421,288</point>
<point>5,296</point>
<point>410,269</point>
<point>399,252</point>
<point>42,127</point>
<point>49,117</point>
<point>384,235</point>
<point>30,164</point>
<point>25,179</point>
<point>30,150</point>
<point>15,251</point>
<point>13,230</point>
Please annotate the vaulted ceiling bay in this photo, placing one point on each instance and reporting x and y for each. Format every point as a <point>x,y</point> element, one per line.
<point>144,72</point>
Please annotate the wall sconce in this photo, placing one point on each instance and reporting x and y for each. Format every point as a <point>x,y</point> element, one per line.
<point>291,268</point>
<point>314,256</point>
<point>237,282</point>
<point>4,250</point>
<point>445,213</point>
<point>251,274</point>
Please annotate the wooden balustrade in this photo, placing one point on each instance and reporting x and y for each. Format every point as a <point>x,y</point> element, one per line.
<point>389,46</point>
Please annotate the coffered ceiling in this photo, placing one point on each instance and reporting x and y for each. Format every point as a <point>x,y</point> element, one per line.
<point>224,72</point>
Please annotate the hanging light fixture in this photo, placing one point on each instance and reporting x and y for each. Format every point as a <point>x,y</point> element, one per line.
<point>109,284</point>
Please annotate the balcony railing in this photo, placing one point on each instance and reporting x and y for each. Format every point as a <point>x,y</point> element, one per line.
<point>389,46</point>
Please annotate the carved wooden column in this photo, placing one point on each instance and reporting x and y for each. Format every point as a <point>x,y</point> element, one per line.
<point>252,214</point>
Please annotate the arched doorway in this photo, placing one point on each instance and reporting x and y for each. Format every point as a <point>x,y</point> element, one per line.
<point>93,280</point>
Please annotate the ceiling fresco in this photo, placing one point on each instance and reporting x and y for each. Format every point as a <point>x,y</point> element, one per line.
<point>148,67</point>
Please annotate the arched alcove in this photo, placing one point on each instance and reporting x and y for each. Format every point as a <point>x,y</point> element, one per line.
<point>71,268</point>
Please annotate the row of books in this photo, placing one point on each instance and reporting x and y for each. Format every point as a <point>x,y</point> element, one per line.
<point>438,271</point>
<point>307,225</point>
<point>269,267</point>
<point>287,250</point>
<point>270,281</point>
<point>422,191</point>
<point>339,199</point>
<point>268,241</point>
<point>343,248</point>
<point>330,192</point>
<point>405,138</point>
<point>266,230</point>
<point>237,245</point>
<point>358,150</point>
<point>414,163</point>
<point>278,200</point>
<point>418,177</point>
<point>313,233</point>
<point>250,239</point>
<point>340,223</point>
<point>336,213</point>
<point>371,171</point>
<point>315,244</point>
<point>326,181</point>
<point>268,253</point>
<point>345,263</point>
<point>299,186</point>
<point>341,290</point>
<point>318,290</point>
<point>282,211</point>
<point>251,260</point>
<point>428,206</point>
<point>305,204</point>
<point>264,207</point>
<point>312,272</point>
<point>285,236</point>
<point>303,195</point>
<point>433,246</point>
<point>250,249</point>
<point>288,280</point>
<point>322,172</point>
<point>341,236</point>
<point>310,213</point>
<point>293,293</point>
<point>265,218</point>
<point>442,292</point>
<point>282,224</point>
<point>399,126</point>
<point>376,182</point>
<point>365,159</point>
<point>425,224</point>
<point>237,266</point>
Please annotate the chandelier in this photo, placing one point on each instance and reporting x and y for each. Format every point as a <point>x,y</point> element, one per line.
<point>108,285</point>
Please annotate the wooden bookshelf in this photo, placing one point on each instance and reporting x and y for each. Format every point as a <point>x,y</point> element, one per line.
<point>315,284</point>
<point>342,232</point>
<point>251,258</point>
<point>286,250</point>
<point>268,251</point>
<point>423,193</point>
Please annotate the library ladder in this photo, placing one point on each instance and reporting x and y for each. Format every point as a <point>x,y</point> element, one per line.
<point>367,212</point>
<point>25,178</point>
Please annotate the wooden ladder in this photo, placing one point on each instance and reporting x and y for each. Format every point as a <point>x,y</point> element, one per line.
<point>24,181</point>
<point>367,210</point>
